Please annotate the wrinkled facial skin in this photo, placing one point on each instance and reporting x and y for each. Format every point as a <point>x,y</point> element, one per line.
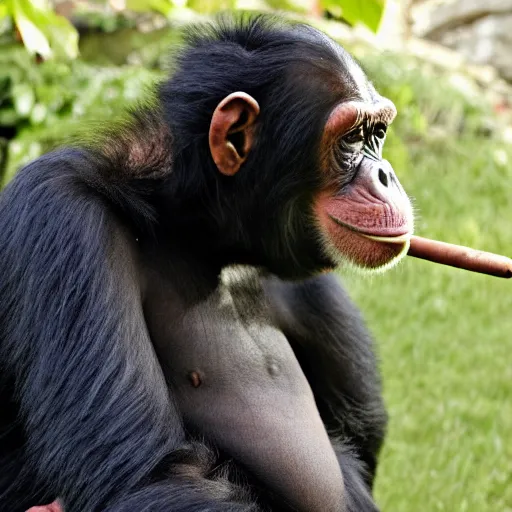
<point>364,213</point>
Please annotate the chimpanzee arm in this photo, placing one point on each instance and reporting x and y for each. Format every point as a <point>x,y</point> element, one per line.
<point>99,425</point>
<point>335,351</point>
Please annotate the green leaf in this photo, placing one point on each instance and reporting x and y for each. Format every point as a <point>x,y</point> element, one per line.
<point>63,36</point>
<point>290,5</point>
<point>162,6</point>
<point>23,98</point>
<point>4,10</point>
<point>211,6</point>
<point>43,31</point>
<point>38,114</point>
<point>138,5</point>
<point>33,37</point>
<point>367,12</point>
<point>9,117</point>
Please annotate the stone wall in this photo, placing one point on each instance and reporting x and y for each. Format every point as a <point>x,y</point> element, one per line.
<point>479,30</point>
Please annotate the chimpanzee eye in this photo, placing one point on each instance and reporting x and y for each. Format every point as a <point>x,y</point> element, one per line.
<point>355,138</point>
<point>380,130</point>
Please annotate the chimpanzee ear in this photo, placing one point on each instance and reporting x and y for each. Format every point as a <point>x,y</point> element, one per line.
<point>232,131</point>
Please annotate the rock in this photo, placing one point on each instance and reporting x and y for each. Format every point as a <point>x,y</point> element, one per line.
<point>480,31</point>
<point>435,16</point>
<point>486,41</point>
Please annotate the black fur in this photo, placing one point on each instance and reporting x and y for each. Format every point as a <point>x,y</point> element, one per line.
<point>86,413</point>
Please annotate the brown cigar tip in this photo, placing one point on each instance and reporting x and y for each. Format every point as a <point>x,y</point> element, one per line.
<point>461,257</point>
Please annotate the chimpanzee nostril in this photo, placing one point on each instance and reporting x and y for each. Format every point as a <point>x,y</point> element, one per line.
<point>383,177</point>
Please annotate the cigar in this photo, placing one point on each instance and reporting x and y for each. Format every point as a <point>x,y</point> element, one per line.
<point>461,257</point>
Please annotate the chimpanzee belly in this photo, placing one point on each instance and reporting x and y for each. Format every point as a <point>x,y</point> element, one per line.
<point>238,383</point>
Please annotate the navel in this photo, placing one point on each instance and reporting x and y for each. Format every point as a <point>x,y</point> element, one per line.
<point>195,379</point>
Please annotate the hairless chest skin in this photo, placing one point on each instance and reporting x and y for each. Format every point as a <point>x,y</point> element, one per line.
<point>239,384</point>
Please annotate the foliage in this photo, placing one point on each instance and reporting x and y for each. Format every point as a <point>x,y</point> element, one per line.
<point>47,34</point>
<point>130,46</point>
<point>43,32</point>
<point>43,104</point>
<point>367,12</point>
<point>164,7</point>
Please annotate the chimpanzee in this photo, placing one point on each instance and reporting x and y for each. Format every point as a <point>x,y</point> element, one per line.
<point>171,335</point>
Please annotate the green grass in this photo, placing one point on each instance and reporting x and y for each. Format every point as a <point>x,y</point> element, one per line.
<point>445,338</point>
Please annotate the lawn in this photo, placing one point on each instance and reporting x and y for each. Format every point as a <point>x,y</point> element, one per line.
<point>445,338</point>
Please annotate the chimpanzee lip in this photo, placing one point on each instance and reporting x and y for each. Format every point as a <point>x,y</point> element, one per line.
<point>400,239</point>
<point>402,235</point>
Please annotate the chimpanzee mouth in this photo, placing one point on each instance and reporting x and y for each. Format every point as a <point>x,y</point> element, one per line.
<point>400,239</point>
<point>378,251</point>
<point>389,237</point>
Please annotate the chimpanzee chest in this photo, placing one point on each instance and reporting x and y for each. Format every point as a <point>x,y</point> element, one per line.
<point>238,383</point>
<point>232,367</point>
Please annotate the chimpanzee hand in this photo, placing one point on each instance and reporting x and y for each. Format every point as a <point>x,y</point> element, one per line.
<point>52,507</point>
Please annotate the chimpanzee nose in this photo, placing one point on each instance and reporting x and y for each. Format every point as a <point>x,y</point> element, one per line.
<point>383,177</point>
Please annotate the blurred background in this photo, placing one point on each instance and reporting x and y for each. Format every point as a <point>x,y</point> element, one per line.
<point>444,335</point>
